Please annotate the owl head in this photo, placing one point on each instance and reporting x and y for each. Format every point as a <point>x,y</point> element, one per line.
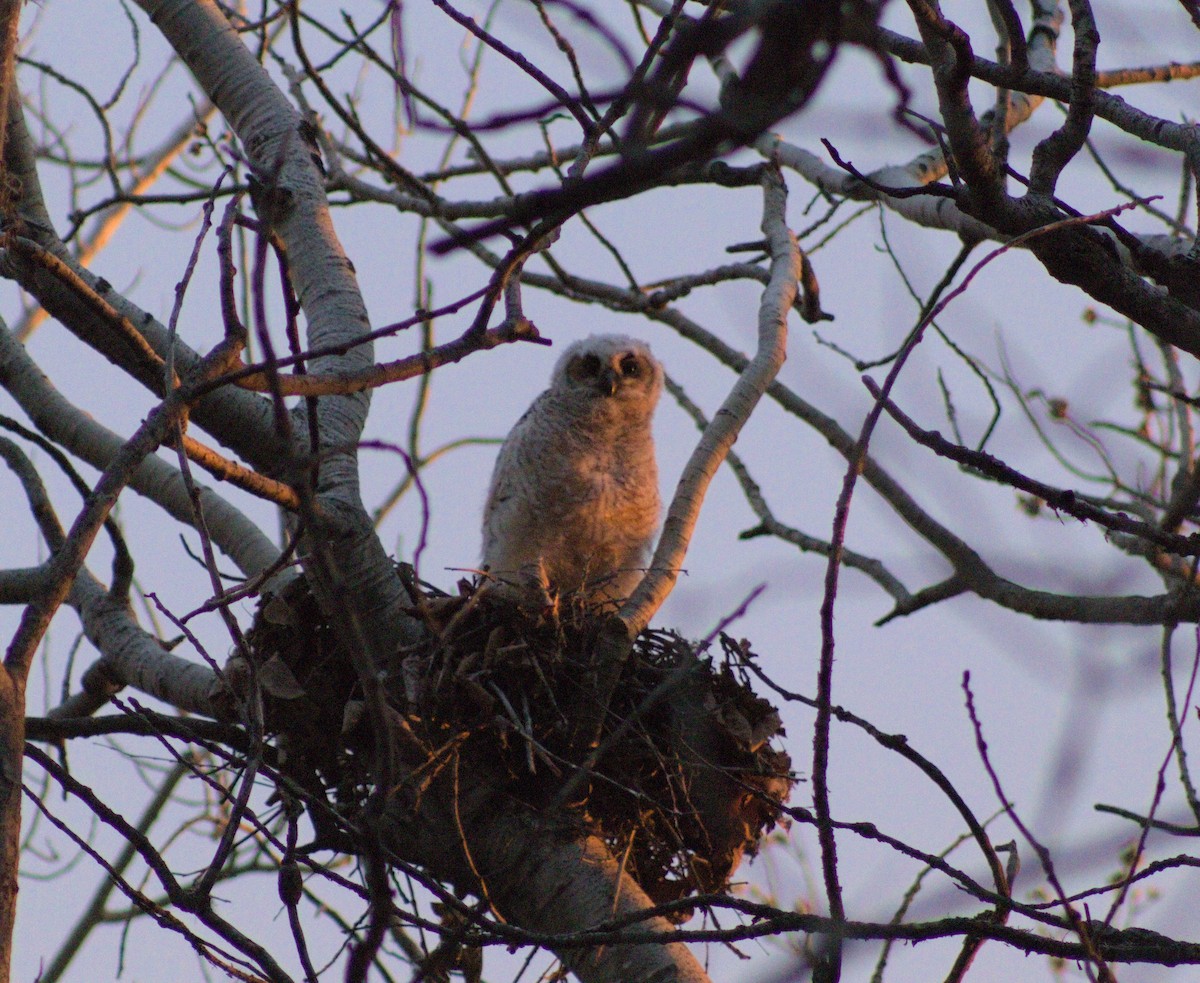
<point>609,366</point>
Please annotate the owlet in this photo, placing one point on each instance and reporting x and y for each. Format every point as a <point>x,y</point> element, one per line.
<point>574,505</point>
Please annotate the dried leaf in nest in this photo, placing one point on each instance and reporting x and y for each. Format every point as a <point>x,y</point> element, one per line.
<point>746,717</point>
<point>277,679</point>
<point>277,611</point>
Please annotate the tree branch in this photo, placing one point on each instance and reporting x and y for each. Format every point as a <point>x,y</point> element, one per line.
<point>727,422</point>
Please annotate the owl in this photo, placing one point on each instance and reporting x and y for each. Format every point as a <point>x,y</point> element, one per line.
<point>573,505</point>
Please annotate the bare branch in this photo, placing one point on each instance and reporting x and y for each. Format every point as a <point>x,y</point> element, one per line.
<point>89,440</point>
<point>718,438</point>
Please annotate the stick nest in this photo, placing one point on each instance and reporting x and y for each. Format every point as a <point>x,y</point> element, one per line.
<point>679,777</point>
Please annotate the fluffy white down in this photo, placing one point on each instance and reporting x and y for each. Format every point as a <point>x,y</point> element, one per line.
<point>574,504</point>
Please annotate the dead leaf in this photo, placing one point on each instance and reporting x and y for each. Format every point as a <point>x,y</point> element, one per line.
<point>277,679</point>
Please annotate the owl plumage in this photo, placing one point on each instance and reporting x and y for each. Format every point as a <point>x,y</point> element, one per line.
<point>573,504</point>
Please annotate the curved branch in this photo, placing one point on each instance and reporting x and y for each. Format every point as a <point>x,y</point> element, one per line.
<point>61,421</point>
<point>754,380</point>
<point>67,560</point>
<point>410,367</point>
<point>769,525</point>
<point>1053,153</point>
<point>133,657</point>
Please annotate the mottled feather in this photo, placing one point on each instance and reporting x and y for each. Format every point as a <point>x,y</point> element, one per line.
<point>574,502</point>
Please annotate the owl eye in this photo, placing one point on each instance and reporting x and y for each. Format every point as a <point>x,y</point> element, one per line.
<point>631,368</point>
<point>589,365</point>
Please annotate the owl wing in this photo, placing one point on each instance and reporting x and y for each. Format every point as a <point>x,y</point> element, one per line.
<point>511,503</point>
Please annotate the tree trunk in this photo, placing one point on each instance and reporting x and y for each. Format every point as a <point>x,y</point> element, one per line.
<point>539,872</point>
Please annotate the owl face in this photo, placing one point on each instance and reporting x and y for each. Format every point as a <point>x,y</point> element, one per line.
<point>609,367</point>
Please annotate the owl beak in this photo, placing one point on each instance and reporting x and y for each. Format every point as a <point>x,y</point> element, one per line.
<point>607,381</point>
